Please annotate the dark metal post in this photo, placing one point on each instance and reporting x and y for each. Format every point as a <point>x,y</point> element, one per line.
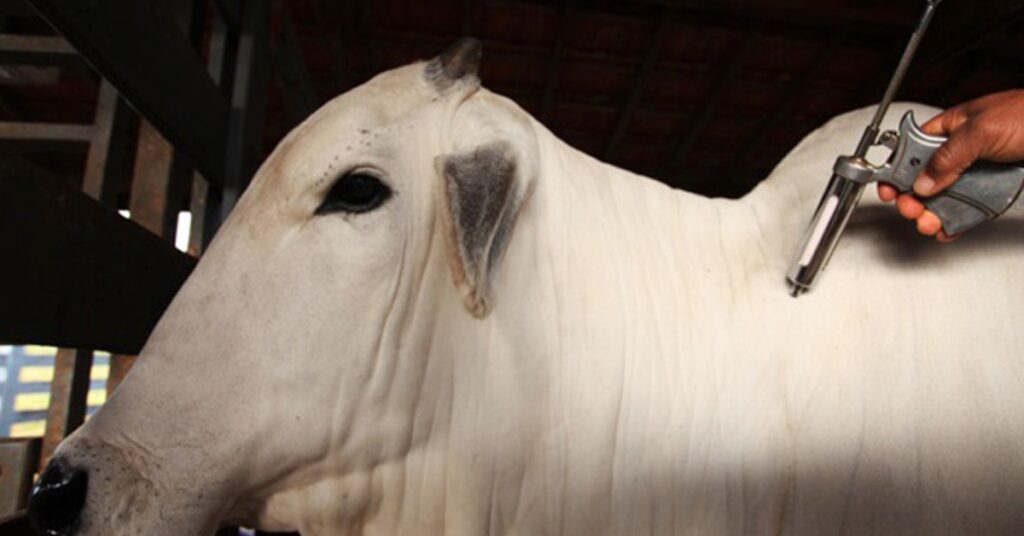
<point>205,202</point>
<point>248,100</point>
<point>106,166</point>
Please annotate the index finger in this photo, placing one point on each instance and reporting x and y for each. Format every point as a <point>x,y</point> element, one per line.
<point>946,122</point>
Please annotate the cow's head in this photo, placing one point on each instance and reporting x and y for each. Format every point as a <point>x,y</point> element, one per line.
<point>288,368</point>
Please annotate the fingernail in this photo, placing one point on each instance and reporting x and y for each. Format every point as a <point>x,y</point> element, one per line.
<point>924,185</point>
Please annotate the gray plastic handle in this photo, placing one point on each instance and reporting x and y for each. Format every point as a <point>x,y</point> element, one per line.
<point>982,193</point>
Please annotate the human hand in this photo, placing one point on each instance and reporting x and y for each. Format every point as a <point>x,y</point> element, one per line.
<point>989,128</point>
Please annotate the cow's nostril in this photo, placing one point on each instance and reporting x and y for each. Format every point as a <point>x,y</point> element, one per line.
<point>57,499</point>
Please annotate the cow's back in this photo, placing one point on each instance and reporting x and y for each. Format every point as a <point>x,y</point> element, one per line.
<point>706,400</point>
<point>902,372</point>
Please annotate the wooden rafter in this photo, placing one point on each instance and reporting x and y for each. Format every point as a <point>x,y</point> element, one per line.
<point>554,64</point>
<point>36,50</point>
<point>293,77</point>
<point>639,84</point>
<point>796,90</point>
<point>682,148</point>
<point>106,279</point>
<point>335,37</point>
<point>471,13</point>
<point>894,18</point>
<point>963,40</point>
<point>45,132</point>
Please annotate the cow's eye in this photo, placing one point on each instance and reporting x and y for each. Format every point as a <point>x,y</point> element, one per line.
<point>354,193</point>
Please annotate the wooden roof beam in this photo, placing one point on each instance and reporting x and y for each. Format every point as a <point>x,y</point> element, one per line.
<point>86,277</point>
<point>795,91</point>
<point>36,50</point>
<point>963,40</point>
<point>44,132</point>
<point>681,150</point>
<point>471,13</point>
<point>554,64</point>
<point>339,43</point>
<point>293,77</point>
<point>640,83</point>
<point>832,14</point>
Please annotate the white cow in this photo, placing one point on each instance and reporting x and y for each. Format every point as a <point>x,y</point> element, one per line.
<point>613,357</point>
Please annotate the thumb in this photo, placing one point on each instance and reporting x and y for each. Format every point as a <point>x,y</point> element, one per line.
<point>964,146</point>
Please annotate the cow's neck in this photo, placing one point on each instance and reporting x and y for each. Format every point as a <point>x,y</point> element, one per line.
<point>612,294</point>
<point>634,248</point>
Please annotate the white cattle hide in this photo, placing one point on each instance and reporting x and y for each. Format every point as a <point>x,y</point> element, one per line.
<point>631,364</point>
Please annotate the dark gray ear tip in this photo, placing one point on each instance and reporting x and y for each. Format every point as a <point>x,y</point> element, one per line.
<point>462,58</point>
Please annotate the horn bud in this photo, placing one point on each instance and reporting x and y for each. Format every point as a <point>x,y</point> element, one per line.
<point>458,61</point>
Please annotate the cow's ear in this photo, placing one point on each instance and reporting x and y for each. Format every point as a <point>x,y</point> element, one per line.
<point>483,191</point>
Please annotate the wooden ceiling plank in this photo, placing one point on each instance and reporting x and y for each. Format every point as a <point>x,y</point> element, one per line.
<point>640,83</point>
<point>972,37</point>
<point>36,50</point>
<point>718,90</point>
<point>471,12</point>
<point>293,76</point>
<point>28,131</point>
<point>337,44</point>
<point>891,19</point>
<point>796,90</point>
<point>554,66</point>
<point>16,8</point>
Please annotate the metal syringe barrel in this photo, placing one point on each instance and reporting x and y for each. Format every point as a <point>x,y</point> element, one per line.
<point>823,234</point>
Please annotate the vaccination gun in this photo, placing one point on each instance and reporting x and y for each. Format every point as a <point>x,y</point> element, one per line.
<point>983,192</point>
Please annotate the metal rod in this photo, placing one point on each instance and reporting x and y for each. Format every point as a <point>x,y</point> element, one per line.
<point>871,132</point>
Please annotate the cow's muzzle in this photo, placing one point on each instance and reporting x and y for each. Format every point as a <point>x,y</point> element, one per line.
<point>57,499</point>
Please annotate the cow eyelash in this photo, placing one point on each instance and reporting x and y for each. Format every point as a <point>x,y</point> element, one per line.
<point>355,192</point>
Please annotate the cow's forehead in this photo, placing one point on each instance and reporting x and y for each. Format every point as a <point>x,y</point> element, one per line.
<point>364,123</point>
<point>382,100</point>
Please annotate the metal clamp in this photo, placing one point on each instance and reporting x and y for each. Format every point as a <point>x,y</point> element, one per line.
<point>855,169</point>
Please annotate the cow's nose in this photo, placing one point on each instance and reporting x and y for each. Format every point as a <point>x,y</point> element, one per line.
<point>57,499</point>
